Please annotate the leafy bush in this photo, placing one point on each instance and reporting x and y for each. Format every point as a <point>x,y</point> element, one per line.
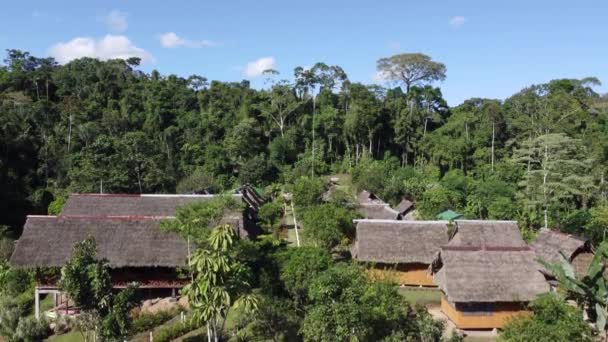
<point>30,329</point>
<point>328,225</point>
<point>554,320</point>
<point>147,321</point>
<point>308,191</point>
<point>56,206</point>
<point>16,281</point>
<point>6,248</point>
<point>298,268</point>
<point>10,313</point>
<point>174,331</point>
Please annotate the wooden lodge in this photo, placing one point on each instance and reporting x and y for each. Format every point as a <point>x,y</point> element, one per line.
<point>399,250</point>
<point>487,274</point>
<point>483,288</point>
<point>127,231</point>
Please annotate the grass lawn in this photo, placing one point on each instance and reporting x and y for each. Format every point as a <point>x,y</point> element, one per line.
<point>479,339</point>
<point>47,303</point>
<point>73,336</point>
<point>291,237</point>
<point>421,295</point>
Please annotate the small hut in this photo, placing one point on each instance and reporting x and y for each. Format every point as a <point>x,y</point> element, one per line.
<point>400,249</point>
<point>550,243</point>
<point>405,208</point>
<point>371,206</point>
<point>483,288</point>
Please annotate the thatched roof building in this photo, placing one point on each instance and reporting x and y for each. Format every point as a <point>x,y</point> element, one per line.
<point>550,243</point>
<point>378,212</point>
<point>399,250</point>
<point>489,275</point>
<point>129,205</point>
<point>366,197</point>
<point>388,241</point>
<point>479,233</point>
<point>371,206</point>
<point>156,205</point>
<point>47,241</point>
<point>405,206</point>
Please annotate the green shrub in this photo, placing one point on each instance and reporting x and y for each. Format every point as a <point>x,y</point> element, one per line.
<point>148,321</point>
<point>30,329</point>
<point>10,313</point>
<point>308,191</point>
<point>56,206</point>
<point>174,331</point>
<point>16,281</point>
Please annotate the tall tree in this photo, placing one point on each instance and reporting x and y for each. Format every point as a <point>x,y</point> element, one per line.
<point>411,69</point>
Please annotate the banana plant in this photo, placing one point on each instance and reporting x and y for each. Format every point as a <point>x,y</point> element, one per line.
<point>591,291</point>
<point>219,282</point>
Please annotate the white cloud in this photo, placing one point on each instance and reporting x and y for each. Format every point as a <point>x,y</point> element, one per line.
<point>116,21</point>
<point>108,47</point>
<point>172,40</point>
<point>457,21</point>
<point>257,67</point>
<point>380,76</point>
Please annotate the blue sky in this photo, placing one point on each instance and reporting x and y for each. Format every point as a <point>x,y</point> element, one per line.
<point>491,48</point>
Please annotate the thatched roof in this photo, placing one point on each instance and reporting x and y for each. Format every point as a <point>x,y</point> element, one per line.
<point>487,275</point>
<point>404,206</point>
<point>378,211</point>
<point>47,241</point>
<point>549,244</point>
<point>472,233</point>
<point>366,197</point>
<point>128,205</point>
<point>388,241</point>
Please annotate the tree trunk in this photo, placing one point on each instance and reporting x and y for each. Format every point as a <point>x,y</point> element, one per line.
<point>426,120</point>
<point>545,174</point>
<point>493,134</point>
<point>313,137</point>
<point>70,132</point>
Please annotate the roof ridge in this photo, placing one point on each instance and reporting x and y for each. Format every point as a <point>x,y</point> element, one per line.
<point>151,195</point>
<point>101,217</point>
<point>487,221</point>
<point>400,221</point>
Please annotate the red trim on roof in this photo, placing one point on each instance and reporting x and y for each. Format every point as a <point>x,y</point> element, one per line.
<point>86,217</point>
<point>487,248</point>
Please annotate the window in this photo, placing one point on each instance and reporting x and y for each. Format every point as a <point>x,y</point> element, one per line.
<point>476,309</point>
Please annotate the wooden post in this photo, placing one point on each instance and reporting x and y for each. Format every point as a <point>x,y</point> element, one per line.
<point>295,223</point>
<point>55,299</point>
<point>37,303</point>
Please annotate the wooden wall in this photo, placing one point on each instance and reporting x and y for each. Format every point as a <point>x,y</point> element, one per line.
<point>500,315</point>
<point>403,274</point>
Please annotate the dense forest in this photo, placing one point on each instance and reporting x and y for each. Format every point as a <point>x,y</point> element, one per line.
<point>539,156</point>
